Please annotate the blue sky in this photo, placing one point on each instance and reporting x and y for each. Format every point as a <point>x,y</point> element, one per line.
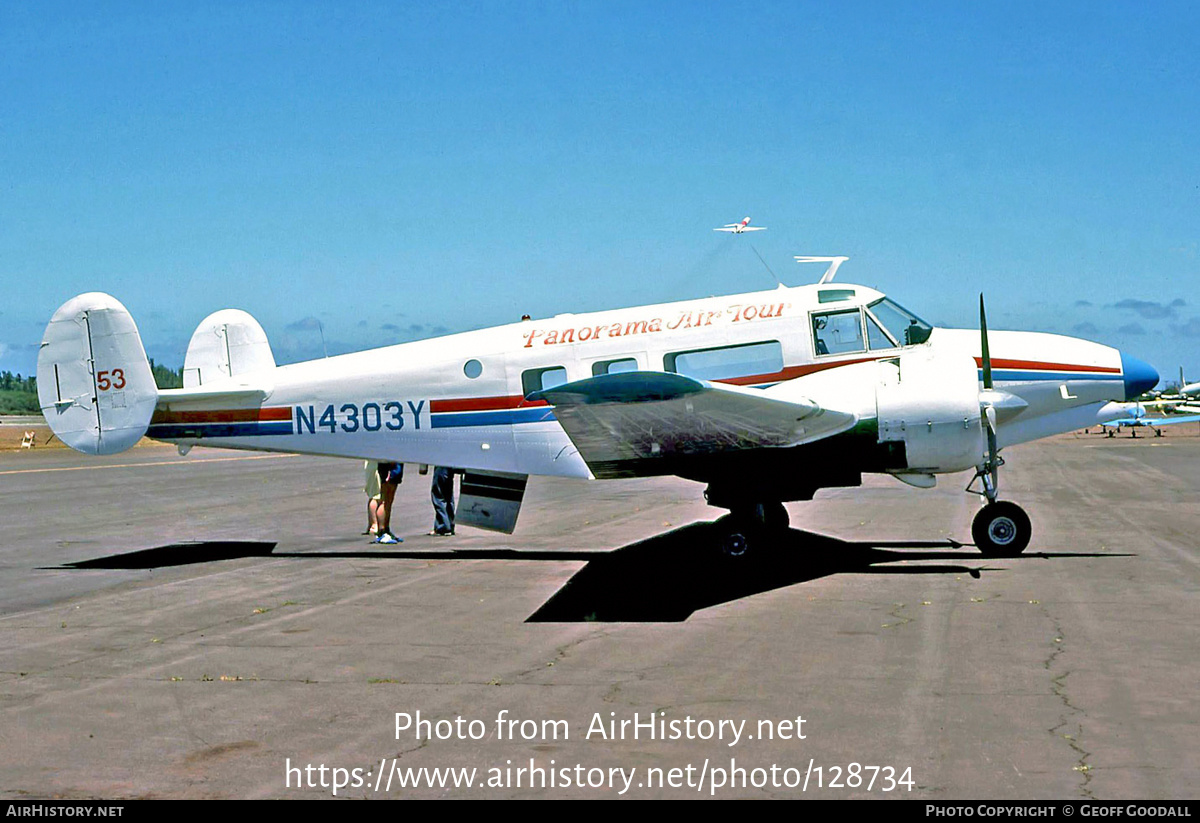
<point>399,170</point>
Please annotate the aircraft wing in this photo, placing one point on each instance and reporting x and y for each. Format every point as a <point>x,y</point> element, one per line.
<point>1170,421</point>
<point>755,228</point>
<point>637,423</point>
<point>727,228</point>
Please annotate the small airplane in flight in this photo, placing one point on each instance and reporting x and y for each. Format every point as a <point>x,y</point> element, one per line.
<point>1137,419</point>
<point>738,228</point>
<point>765,398</point>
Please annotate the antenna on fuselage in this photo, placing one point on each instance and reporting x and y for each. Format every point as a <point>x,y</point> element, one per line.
<point>321,328</point>
<point>830,272</point>
<point>768,268</point>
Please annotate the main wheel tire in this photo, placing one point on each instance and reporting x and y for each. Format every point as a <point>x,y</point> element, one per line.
<point>1001,529</point>
<point>735,543</point>
<point>737,535</point>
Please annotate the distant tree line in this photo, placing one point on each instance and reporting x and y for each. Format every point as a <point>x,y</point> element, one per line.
<point>15,382</point>
<point>18,395</point>
<point>166,378</point>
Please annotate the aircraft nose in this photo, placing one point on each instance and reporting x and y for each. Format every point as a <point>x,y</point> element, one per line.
<point>1139,376</point>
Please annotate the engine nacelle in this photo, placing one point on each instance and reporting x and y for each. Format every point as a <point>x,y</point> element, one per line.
<point>933,409</point>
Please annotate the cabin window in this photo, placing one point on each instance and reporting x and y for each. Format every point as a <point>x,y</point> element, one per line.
<point>624,364</point>
<point>472,369</point>
<point>728,362</point>
<point>538,379</point>
<point>838,332</point>
<point>903,325</point>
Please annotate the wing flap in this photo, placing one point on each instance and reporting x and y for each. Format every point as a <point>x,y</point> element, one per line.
<point>637,423</point>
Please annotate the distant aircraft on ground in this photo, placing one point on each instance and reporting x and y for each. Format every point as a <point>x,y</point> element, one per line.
<point>1137,419</point>
<point>764,397</point>
<point>1177,401</point>
<point>738,228</point>
<point>1188,389</point>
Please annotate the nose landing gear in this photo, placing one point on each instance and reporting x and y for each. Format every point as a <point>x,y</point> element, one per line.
<point>1000,529</point>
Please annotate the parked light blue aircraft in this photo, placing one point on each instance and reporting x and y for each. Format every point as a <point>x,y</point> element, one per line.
<point>1138,420</point>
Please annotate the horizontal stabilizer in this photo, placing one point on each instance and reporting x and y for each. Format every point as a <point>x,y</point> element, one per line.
<point>634,423</point>
<point>223,393</point>
<point>95,387</point>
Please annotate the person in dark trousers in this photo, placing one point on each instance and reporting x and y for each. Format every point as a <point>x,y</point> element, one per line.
<point>442,494</point>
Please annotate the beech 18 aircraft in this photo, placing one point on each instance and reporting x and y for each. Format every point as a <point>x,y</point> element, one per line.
<point>764,397</point>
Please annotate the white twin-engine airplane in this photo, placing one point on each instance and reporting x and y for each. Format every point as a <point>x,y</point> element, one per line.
<point>738,228</point>
<point>765,397</point>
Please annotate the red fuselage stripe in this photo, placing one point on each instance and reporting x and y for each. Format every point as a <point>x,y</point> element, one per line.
<point>1036,365</point>
<point>224,416</point>
<point>482,404</point>
<point>502,402</point>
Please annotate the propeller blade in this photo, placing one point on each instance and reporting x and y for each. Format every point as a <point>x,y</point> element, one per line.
<point>987,357</point>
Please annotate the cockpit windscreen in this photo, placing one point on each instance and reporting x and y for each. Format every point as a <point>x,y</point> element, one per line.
<point>903,325</point>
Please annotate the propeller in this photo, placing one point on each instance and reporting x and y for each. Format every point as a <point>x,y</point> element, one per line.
<point>989,473</point>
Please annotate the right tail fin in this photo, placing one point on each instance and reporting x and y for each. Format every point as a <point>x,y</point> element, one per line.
<point>226,344</point>
<point>95,387</point>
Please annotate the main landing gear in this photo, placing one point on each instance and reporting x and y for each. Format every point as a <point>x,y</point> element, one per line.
<point>749,526</point>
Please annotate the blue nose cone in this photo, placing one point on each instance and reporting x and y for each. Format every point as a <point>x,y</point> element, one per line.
<point>1139,376</point>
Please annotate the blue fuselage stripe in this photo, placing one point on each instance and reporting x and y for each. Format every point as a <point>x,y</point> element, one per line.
<point>1013,374</point>
<point>504,417</point>
<point>173,431</point>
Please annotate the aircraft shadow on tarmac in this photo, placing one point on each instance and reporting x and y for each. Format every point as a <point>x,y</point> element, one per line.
<point>177,554</point>
<point>664,578</point>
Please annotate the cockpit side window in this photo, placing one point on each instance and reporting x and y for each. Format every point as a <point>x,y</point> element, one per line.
<point>837,332</point>
<point>901,324</point>
<point>877,338</point>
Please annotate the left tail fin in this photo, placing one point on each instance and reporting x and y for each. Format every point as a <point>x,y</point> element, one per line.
<point>95,387</point>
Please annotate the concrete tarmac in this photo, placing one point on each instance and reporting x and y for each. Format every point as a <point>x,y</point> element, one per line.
<point>215,626</point>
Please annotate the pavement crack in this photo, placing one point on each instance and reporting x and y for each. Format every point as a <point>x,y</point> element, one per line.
<point>897,618</point>
<point>1070,722</point>
<point>562,651</point>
